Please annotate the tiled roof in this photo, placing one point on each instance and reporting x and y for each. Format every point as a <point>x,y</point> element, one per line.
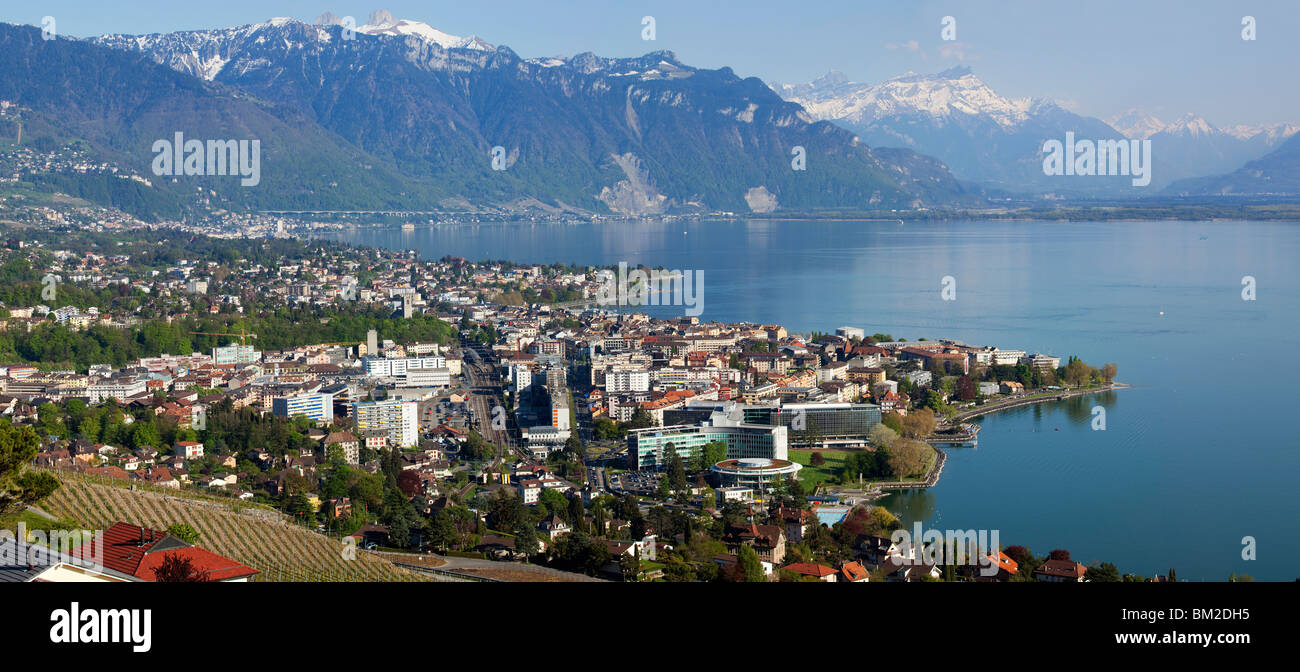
<point>139,552</point>
<point>810,569</point>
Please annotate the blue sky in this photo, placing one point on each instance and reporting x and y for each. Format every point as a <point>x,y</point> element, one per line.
<point>1098,57</point>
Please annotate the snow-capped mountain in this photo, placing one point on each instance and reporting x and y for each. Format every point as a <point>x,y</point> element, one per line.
<point>382,23</point>
<point>1136,124</point>
<point>996,140</point>
<point>956,117</point>
<point>1191,146</point>
<point>642,135</point>
<point>205,53</point>
<point>1272,133</point>
<point>943,96</point>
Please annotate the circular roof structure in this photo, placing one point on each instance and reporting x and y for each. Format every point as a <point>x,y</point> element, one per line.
<point>756,467</point>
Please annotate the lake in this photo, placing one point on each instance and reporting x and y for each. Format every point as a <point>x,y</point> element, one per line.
<point>1196,456</point>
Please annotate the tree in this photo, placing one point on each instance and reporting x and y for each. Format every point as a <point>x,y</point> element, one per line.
<point>641,419</point>
<point>185,532</point>
<point>399,533</point>
<point>409,483</point>
<point>881,436</point>
<point>526,539</point>
<point>554,502</point>
<point>966,389</point>
<point>19,488</point>
<point>918,424</point>
<point>442,531</point>
<point>1102,573</point>
<point>750,568</point>
<point>664,491</point>
<point>1059,554</point>
<point>817,460</point>
<point>177,569</point>
<point>599,518</point>
<point>908,458</point>
<point>577,514</point>
<point>714,452</point>
<point>506,511</point>
<point>676,469</point>
<point>575,448</point>
<point>630,565</point>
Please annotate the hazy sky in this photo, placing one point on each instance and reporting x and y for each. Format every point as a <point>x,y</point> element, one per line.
<point>1098,57</point>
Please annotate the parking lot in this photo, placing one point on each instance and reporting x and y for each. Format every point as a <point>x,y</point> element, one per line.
<point>636,482</point>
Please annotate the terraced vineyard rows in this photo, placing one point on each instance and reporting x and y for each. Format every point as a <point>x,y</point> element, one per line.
<point>260,539</point>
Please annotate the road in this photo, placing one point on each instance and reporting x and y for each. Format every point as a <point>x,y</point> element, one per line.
<point>489,567</point>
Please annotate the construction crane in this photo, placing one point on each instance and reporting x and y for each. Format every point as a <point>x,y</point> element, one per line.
<point>243,335</point>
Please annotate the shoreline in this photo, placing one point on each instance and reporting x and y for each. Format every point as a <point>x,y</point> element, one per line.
<point>878,490</point>
<point>1006,404</point>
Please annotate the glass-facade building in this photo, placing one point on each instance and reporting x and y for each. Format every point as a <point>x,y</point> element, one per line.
<point>820,424</point>
<point>647,448</point>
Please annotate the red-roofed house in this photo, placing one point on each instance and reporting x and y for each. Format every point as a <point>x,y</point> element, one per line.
<point>820,572</point>
<point>189,449</point>
<point>139,552</point>
<point>854,572</point>
<point>1061,571</point>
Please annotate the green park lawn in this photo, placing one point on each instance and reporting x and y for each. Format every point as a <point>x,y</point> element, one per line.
<point>812,476</point>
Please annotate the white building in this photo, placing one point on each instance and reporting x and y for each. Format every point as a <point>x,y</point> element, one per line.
<point>850,332</point>
<point>398,420</point>
<point>622,380</point>
<point>316,406</point>
<point>397,367</point>
<point>239,355</point>
<point>120,389</point>
<point>427,378</point>
<point>1007,357</point>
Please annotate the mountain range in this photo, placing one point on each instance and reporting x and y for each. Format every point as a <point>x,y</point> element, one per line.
<point>996,141</point>
<point>398,115</point>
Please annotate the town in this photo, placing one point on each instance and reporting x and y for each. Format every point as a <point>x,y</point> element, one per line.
<point>478,421</point>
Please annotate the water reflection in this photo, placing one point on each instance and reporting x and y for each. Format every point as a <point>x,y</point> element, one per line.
<point>910,505</point>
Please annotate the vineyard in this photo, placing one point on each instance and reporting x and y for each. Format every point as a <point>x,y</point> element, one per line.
<point>255,536</point>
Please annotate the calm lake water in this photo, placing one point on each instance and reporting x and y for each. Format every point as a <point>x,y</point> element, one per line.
<point>1200,453</point>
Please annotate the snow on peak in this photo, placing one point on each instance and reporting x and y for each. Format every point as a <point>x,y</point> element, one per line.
<point>951,92</point>
<point>1190,124</point>
<point>1271,132</point>
<point>382,23</point>
<point>1136,124</point>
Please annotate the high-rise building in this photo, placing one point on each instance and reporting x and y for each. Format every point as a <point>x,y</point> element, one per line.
<point>239,355</point>
<point>397,420</point>
<point>316,406</point>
